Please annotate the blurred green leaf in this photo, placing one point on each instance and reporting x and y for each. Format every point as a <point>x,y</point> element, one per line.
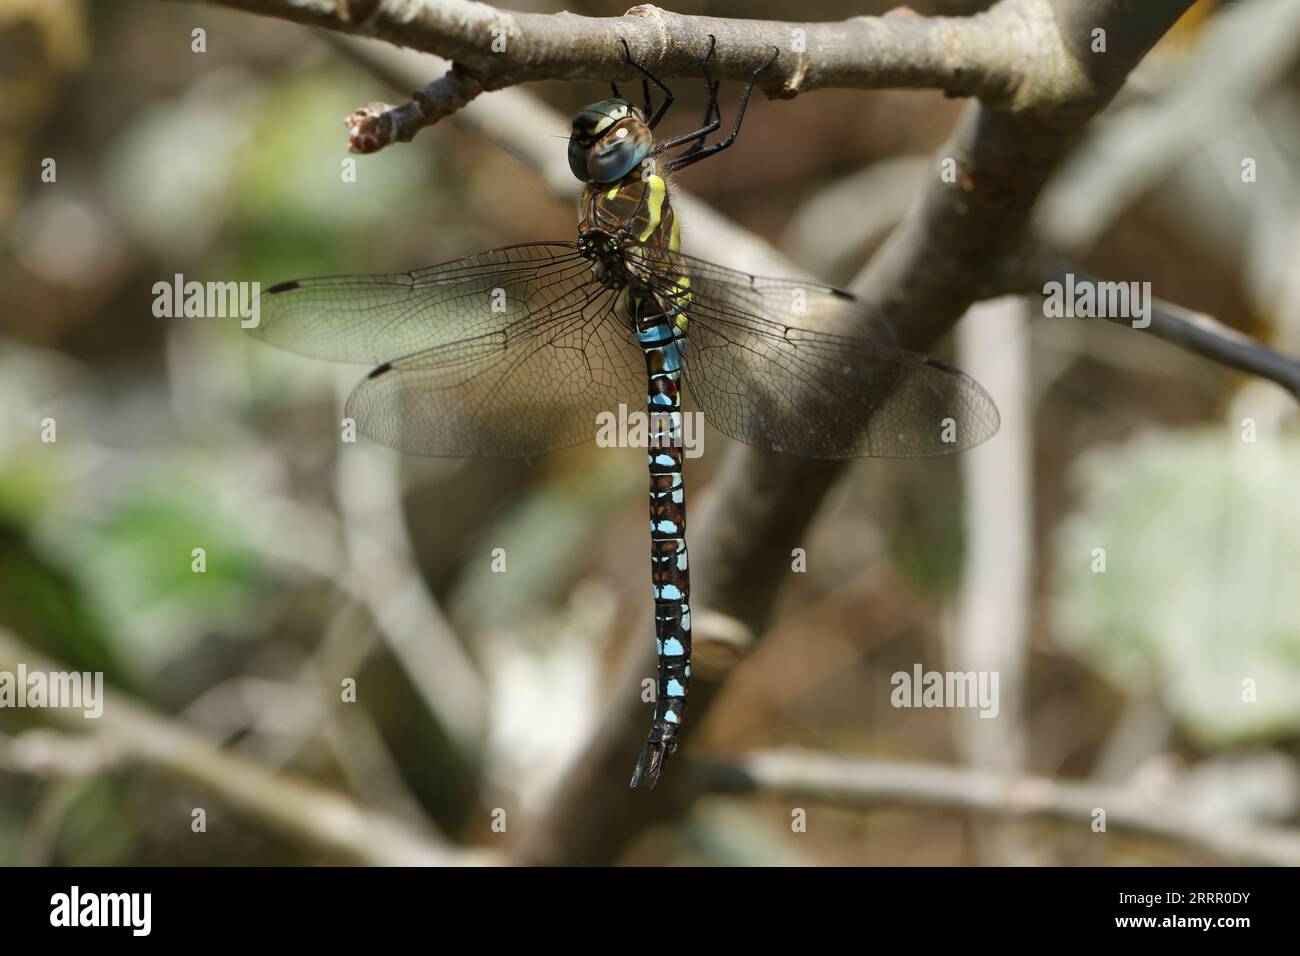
<point>98,829</point>
<point>293,208</point>
<point>1201,539</point>
<point>26,486</point>
<point>44,604</point>
<point>122,562</point>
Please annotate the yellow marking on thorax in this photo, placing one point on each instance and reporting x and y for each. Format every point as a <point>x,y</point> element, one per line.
<point>613,192</point>
<point>655,205</point>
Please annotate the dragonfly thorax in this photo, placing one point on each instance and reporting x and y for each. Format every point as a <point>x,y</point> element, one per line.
<point>606,258</point>
<point>617,220</point>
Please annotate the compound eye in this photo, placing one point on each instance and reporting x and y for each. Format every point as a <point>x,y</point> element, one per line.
<point>612,162</point>
<point>578,150</point>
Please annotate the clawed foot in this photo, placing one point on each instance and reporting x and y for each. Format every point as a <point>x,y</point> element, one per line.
<point>708,57</point>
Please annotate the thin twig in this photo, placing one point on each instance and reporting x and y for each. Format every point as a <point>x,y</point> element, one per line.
<point>861,784</point>
<point>1193,331</point>
<point>375,126</point>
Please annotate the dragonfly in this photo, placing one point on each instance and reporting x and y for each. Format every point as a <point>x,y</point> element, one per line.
<point>517,351</point>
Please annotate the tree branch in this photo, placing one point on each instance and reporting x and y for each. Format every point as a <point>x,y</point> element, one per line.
<point>980,55</point>
<point>968,240</point>
<point>869,784</point>
<point>966,56</point>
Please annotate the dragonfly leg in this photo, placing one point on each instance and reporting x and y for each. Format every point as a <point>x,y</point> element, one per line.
<point>652,119</point>
<point>712,120</point>
<point>700,151</point>
<point>712,115</point>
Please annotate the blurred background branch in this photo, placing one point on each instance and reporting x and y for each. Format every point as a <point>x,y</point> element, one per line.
<point>1187,329</point>
<point>129,733</point>
<point>871,784</point>
<point>990,630</point>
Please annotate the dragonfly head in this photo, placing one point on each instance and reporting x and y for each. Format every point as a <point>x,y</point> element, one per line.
<point>609,139</point>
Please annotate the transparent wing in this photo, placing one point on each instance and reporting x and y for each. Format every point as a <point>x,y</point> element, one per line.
<point>763,376</point>
<point>514,392</point>
<point>373,318</point>
<point>510,353</point>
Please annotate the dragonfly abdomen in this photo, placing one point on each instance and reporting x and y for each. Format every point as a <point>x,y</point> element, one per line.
<point>661,340</point>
